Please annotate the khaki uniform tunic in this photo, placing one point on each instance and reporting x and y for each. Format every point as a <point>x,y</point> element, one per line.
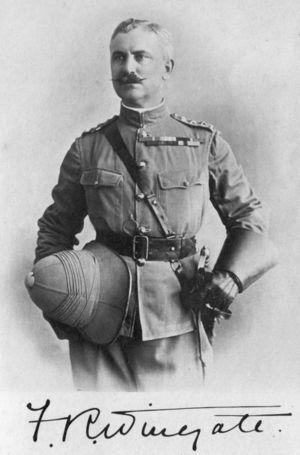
<point>188,166</point>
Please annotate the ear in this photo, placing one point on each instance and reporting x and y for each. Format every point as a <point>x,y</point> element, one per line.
<point>169,65</point>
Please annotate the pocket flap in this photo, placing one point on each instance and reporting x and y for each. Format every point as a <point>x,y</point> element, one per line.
<point>100,177</point>
<point>180,179</point>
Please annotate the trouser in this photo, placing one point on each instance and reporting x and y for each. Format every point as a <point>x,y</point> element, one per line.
<point>132,365</point>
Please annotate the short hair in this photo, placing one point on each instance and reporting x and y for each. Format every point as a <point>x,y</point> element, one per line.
<point>163,34</point>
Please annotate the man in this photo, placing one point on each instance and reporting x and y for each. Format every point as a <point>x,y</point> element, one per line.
<point>151,218</point>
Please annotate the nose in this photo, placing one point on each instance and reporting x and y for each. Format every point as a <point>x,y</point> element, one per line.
<point>130,64</point>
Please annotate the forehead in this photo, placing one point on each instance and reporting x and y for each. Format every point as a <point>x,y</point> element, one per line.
<point>136,40</point>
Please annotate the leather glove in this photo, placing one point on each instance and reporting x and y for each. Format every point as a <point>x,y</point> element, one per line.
<point>218,291</point>
<point>214,291</point>
<point>211,293</point>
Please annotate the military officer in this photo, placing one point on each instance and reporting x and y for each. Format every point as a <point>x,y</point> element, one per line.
<point>151,217</point>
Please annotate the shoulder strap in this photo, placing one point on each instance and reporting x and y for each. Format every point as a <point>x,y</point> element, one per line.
<point>100,126</point>
<point>114,137</point>
<point>194,123</point>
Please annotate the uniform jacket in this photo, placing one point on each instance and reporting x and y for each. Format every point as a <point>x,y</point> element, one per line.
<point>189,166</point>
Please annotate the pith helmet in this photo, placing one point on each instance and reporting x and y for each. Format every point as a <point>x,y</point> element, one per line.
<point>88,290</point>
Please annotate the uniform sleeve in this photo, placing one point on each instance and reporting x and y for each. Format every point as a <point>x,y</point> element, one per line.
<point>230,192</point>
<point>247,251</point>
<point>64,218</point>
<point>62,221</point>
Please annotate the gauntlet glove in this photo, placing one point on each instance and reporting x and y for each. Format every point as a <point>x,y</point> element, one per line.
<point>218,291</point>
<point>211,294</point>
<point>213,290</point>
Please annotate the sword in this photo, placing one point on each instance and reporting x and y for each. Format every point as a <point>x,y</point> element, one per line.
<point>196,313</point>
<point>214,313</point>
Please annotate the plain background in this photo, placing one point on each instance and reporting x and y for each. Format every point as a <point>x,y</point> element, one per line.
<point>236,67</point>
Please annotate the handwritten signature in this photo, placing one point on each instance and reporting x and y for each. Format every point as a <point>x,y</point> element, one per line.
<point>95,428</point>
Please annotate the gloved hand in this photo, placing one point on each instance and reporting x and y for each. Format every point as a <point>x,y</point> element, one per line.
<point>211,290</point>
<point>211,293</point>
<point>218,290</point>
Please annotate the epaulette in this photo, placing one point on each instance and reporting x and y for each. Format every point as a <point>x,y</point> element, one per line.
<point>194,123</point>
<point>100,126</point>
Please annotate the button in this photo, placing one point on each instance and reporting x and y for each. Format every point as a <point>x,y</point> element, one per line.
<point>29,280</point>
<point>141,262</point>
<point>154,202</point>
<point>186,183</point>
<point>140,196</point>
<point>143,230</point>
<point>141,164</point>
<point>172,248</point>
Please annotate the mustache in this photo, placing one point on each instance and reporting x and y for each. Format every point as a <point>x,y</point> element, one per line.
<point>130,78</point>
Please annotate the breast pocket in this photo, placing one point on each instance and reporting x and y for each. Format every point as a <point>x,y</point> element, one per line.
<point>181,193</point>
<point>104,194</point>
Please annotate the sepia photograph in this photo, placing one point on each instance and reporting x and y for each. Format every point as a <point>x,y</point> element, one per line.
<point>150,192</point>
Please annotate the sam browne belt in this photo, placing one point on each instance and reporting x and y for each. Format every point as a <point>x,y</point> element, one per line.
<point>143,248</point>
<point>172,246</point>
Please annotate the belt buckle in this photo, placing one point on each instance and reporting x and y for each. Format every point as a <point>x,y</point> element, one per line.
<point>140,248</point>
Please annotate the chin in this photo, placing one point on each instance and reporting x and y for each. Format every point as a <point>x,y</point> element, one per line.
<point>130,93</point>
<point>136,101</point>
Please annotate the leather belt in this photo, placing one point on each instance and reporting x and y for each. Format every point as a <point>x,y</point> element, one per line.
<point>143,248</point>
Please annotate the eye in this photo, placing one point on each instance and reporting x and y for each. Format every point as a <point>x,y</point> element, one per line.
<point>118,58</point>
<point>141,57</point>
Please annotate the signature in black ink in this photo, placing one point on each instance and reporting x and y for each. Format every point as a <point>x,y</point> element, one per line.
<point>95,428</point>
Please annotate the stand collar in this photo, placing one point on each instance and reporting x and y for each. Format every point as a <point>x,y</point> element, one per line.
<point>140,118</point>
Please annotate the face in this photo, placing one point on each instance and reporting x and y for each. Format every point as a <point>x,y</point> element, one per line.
<point>138,67</point>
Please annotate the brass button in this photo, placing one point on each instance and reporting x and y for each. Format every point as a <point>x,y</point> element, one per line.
<point>172,248</point>
<point>140,196</point>
<point>141,164</point>
<point>154,202</point>
<point>141,262</point>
